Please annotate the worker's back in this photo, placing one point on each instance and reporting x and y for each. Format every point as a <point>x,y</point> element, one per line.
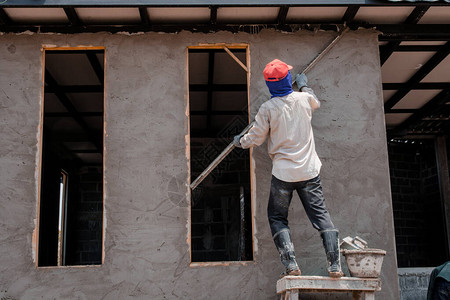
<point>291,140</point>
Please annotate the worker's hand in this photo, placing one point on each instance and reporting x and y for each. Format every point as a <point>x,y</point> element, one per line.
<point>301,80</point>
<point>236,141</point>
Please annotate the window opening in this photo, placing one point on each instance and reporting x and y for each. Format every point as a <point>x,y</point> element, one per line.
<point>221,217</point>
<point>70,222</point>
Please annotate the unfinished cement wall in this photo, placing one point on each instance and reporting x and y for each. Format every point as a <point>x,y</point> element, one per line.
<point>146,226</point>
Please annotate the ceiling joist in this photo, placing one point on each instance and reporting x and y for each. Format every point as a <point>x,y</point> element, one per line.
<point>65,101</point>
<point>439,99</point>
<point>72,16</point>
<point>413,48</point>
<point>74,89</point>
<point>219,113</point>
<point>282,15</point>
<point>218,87</point>
<point>68,115</point>
<point>95,66</point>
<point>213,15</point>
<point>401,111</point>
<point>418,76</point>
<point>418,86</point>
<point>390,32</point>
<point>413,32</point>
<point>350,14</point>
<point>417,14</point>
<point>4,18</point>
<point>145,20</point>
<point>413,18</point>
<point>197,3</point>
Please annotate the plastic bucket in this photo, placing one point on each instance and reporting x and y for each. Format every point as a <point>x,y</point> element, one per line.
<point>364,263</point>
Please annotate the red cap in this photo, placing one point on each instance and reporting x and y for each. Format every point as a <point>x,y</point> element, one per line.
<point>276,70</point>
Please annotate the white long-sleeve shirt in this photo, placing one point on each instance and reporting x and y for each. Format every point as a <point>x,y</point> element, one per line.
<point>287,122</point>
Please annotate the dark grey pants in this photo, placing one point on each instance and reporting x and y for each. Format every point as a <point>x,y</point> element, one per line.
<point>441,289</point>
<point>310,193</point>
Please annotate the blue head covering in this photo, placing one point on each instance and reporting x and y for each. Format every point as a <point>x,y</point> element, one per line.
<point>282,87</point>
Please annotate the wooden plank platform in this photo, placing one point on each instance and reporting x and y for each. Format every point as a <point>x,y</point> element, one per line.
<point>290,286</point>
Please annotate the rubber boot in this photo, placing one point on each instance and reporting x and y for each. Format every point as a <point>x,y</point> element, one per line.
<point>330,240</point>
<point>285,247</point>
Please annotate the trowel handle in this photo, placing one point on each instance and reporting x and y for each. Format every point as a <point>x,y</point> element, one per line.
<point>218,159</point>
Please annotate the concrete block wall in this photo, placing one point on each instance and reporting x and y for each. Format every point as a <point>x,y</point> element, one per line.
<point>405,171</point>
<point>147,168</point>
<point>88,217</point>
<point>420,235</point>
<point>413,283</point>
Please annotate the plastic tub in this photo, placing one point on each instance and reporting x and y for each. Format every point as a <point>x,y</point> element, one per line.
<point>364,263</point>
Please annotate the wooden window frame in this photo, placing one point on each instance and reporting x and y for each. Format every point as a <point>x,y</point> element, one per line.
<point>35,238</point>
<point>228,48</point>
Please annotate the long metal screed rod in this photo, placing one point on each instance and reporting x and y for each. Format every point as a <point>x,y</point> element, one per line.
<point>324,52</point>
<point>231,146</point>
<point>218,159</point>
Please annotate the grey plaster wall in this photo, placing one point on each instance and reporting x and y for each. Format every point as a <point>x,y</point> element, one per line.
<point>146,240</point>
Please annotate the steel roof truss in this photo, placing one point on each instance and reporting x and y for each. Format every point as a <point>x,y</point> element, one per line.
<point>418,76</point>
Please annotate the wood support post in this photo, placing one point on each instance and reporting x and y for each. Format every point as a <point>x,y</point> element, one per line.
<point>236,59</point>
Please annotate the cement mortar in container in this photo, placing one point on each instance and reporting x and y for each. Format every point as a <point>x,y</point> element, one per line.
<point>365,263</point>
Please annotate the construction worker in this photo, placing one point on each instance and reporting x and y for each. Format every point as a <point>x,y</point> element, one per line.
<point>439,285</point>
<point>286,120</point>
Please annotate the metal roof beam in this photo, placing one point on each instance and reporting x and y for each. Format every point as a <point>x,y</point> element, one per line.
<point>4,18</point>
<point>67,114</point>
<point>412,32</point>
<point>390,31</point>
<point>401,111</point>
<point>350,13</point>
<point>418,76</point>
<point>414,48</point>
<point>433,36</point>
<point>428,108</point>
<point>416,14</point>
<point>282,14</point>
<point>65,101</point>
<point>213,15</point>
<point>388,50</point>
<point>74,89</point>
<point>218,87</point>
<point>219,113</point>
<point>96,66</point>
<point>419,86</point>
<point>134,3</point>
<point>72,16</point>
<point>413,18</point>
<point>446,128</point>
<point>145,20</point>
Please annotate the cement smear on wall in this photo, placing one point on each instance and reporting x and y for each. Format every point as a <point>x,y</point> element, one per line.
<point>146,249</point>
